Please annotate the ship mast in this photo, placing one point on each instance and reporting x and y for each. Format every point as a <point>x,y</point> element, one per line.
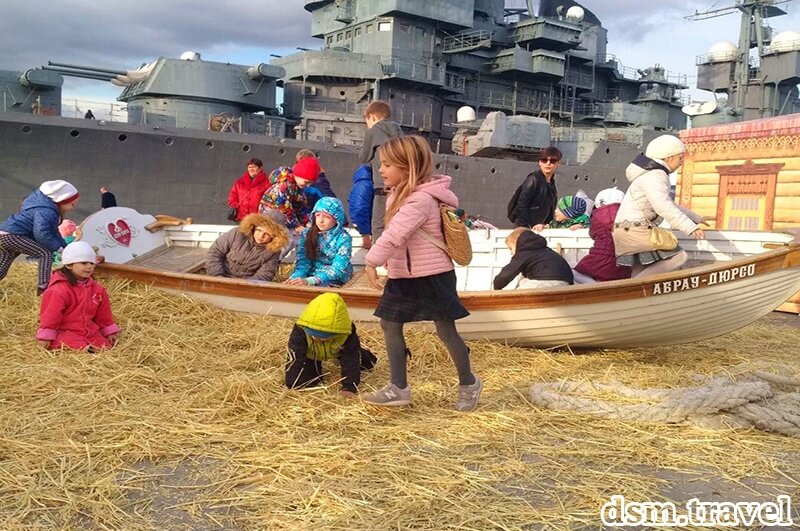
<point>753,33</point>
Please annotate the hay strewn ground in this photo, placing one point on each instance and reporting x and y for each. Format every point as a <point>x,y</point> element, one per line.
<point>187,425</point>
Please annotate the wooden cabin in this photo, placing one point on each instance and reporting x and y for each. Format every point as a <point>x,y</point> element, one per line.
<point>745,175</point>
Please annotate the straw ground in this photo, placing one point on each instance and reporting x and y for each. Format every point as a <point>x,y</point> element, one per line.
<point>187,425</point>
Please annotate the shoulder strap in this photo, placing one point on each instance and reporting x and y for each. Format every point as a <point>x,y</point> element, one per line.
<point>431,238</point>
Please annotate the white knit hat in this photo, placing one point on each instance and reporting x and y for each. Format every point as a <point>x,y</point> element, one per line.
<point>77,252</point>
<point>59,191</point>
<point>664,146</point>
<point>609,196</point>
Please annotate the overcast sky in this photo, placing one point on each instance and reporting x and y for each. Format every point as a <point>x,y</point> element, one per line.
<point>126,33</point>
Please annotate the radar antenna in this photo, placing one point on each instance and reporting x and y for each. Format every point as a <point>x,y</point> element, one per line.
<point>753,33</point>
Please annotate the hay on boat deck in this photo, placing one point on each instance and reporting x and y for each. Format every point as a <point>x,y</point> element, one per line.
<point>187,423</point>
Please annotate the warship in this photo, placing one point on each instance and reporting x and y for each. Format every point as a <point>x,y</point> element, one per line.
<point>489,84</point>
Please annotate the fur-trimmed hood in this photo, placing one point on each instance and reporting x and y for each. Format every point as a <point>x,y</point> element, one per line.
<point>279,236</point>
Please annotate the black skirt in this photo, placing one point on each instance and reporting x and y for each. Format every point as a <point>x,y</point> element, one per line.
<point>431,298</point>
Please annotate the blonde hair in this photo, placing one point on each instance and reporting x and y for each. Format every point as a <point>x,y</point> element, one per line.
<point>413,156</point>
<point>379,109</point>
<point>511,239</point>
<point>304,154</point>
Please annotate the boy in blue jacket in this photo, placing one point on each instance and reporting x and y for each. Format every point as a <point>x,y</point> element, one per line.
<point>360,200</point>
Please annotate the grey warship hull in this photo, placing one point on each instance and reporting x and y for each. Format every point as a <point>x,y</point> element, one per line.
<point>188,173</point>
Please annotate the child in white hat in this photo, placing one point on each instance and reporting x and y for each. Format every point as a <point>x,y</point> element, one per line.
<point>34,229</point>
<point>76,311</point>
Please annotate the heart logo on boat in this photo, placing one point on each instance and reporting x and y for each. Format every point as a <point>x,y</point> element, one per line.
<point>121,232</point>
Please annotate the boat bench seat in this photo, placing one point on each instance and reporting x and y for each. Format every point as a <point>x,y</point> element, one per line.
<point>173,258</point>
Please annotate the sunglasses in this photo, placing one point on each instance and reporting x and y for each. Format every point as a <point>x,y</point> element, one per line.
<point>550,160</point>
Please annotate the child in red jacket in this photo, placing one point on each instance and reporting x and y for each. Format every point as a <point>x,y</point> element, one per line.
<point>75,311</point>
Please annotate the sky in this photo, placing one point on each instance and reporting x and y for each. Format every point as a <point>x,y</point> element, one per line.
<point>124,34</point>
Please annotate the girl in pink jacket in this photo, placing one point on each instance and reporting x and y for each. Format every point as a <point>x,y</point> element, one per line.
<point>75,311</point>
<point>422,281</point>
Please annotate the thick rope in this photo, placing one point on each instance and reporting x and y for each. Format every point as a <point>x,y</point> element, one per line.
<point>749,402</point>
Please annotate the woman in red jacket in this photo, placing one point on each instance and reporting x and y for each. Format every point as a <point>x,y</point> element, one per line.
<point>75,311</point>
<point>246,192</point>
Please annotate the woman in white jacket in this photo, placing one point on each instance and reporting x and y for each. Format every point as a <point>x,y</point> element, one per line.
<point>646,202</point>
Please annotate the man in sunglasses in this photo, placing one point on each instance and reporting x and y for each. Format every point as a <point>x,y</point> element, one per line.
<point>534,202</point>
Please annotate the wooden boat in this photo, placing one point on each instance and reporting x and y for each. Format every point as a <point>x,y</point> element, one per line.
<point>727,293</point>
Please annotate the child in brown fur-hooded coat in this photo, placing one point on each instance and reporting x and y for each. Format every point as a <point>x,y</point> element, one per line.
<point>250,251</point>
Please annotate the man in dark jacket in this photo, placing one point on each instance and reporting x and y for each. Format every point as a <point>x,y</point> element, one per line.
<point>107,199</point>
<point>379,129</point>
<point>534,202</point>
<point>540,266</point>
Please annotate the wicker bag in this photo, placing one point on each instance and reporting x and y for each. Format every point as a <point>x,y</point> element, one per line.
<point>663,239</point>
<point>456,236</point>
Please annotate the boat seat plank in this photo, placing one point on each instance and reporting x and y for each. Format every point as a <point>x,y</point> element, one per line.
<point>174,259</point>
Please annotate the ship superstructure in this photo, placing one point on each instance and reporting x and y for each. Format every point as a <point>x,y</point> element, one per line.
<point>428,59</point>
<point>758,76</point>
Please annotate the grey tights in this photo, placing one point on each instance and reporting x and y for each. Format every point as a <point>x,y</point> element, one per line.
<point>673,263</point>
<point>396,351</point>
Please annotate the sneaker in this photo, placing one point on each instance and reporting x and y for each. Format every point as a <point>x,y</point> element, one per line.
<point>468,396</point>
<point>390,395</point>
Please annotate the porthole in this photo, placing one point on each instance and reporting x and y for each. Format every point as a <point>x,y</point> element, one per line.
<point>614,180</point>
<point>122,137</point>
<point>576,177</point>
<point>281,152</point>
<point>493,170</point>
<point>341,93</point>
<point>456,167</point>
<point>209,145</point>
<point>246,148</point>
<point>608,151</point>
<point>26,129</point>
<point>586,178</point>
<point>169,141</point>
<point>438,165</point>
<point>74,133</point>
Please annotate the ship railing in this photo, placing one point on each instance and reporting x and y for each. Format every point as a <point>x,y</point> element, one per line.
<point>454,81</point>
<point>416,70</point>
<point>467,41</point>
<point>414,119</point>
<point>102,110</point>
<point>628,72</point>
<point>342,107</point>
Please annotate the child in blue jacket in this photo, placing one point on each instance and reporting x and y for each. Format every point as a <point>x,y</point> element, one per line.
<point>361,199</point>
<point>324,250</point>
<point>34,229</point>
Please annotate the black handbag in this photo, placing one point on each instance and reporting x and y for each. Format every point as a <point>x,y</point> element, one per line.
<point>232,213</point>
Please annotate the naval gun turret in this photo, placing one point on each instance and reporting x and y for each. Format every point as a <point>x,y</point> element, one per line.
<point>195,94</point>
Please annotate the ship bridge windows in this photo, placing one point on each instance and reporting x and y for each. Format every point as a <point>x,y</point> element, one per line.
<point>384,26</point>
<point>369,28</point>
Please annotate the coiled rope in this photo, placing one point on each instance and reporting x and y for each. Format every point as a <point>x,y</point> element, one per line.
<point>750,401</point>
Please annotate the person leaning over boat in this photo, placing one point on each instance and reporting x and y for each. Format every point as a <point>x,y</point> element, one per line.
<point>422,280</point>
<point>34,229</point>
<point>246,192</point>
<point>325,332</point>
<point>533,261</point>
<point>648,199</point>
<point>251,251</point>
<point>321,187</point>
<point>325,248</point>
<point>285,194</point>
<point>600,264</point>
<point>533,204</point>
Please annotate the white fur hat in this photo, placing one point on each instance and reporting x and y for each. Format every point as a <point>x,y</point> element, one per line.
<point>609,196</point>
<point>664,146</point>
<point>59,191</point>
<point>77,252</point>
